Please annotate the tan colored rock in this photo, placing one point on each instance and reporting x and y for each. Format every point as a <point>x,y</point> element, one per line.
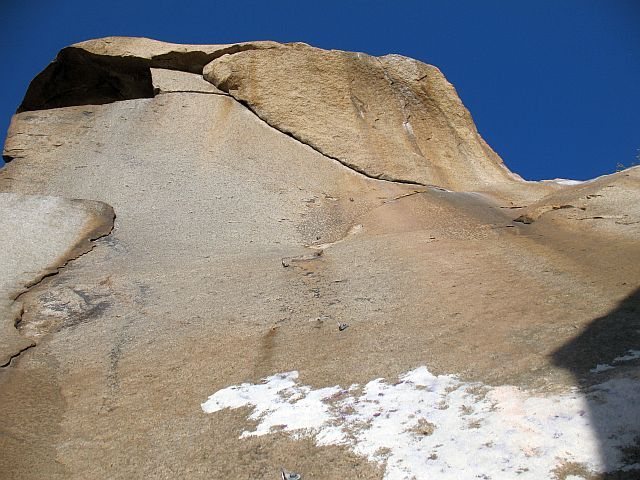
<point>238,253</point>
<point>391,117</point>
<point>117,68</point>
<point>174,56</point>
<point>608,204</point>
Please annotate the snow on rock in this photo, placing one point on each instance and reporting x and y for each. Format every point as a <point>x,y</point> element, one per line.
<point>564,181</point>
<point>630,355</point>
<point>436,426</point>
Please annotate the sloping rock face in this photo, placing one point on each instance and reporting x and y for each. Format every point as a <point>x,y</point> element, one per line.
<point>391,117</point>
<point>40,234</point>
<point>264,302</point>
<point>610,199</point>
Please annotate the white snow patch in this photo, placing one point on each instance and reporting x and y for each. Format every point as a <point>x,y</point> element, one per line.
<point>565,181</point>
<point>629,356</point>
<point>601,367</point>
<point>278,402</point>
<point>436,426</point>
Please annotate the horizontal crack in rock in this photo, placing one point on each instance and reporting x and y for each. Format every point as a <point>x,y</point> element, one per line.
<point>191,91</point>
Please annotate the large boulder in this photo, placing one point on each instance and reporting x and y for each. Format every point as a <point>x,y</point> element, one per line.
<point>390,117</point>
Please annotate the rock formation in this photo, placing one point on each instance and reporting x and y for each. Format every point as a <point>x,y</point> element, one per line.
<point>392,118</point>
<point>40,234</point>
<point>265,194</point>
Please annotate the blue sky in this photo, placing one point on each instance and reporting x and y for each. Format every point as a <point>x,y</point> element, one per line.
<point>553,85</point>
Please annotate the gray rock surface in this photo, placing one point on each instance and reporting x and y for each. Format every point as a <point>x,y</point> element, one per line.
<point>38,235</point>
<point>171,81</point>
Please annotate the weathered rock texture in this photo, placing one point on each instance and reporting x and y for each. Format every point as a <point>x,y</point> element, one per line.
<point>611,200</point>
<point>391,117</point>
<point>245,235</point>
<point>39,235</point>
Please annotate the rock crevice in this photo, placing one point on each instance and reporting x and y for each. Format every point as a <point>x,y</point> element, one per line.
<point>41,235</point>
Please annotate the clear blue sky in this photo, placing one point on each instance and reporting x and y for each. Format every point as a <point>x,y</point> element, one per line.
<point>553,85</point>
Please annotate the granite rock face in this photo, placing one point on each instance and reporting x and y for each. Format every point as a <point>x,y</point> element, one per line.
<point>315,219</point>
<point>39,235</point>
<point>391,117</point>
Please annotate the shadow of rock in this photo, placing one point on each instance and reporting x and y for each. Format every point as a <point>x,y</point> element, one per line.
<point>77,77</point>
<point>604,360</point>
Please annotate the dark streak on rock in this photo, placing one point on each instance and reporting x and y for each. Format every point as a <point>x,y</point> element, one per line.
<point>380,176</point>
<point>17,354</point>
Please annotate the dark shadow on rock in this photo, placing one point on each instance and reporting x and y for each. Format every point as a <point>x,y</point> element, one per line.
<point>77,77</point>
<point>591,359</point>
<point>80,77</point>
